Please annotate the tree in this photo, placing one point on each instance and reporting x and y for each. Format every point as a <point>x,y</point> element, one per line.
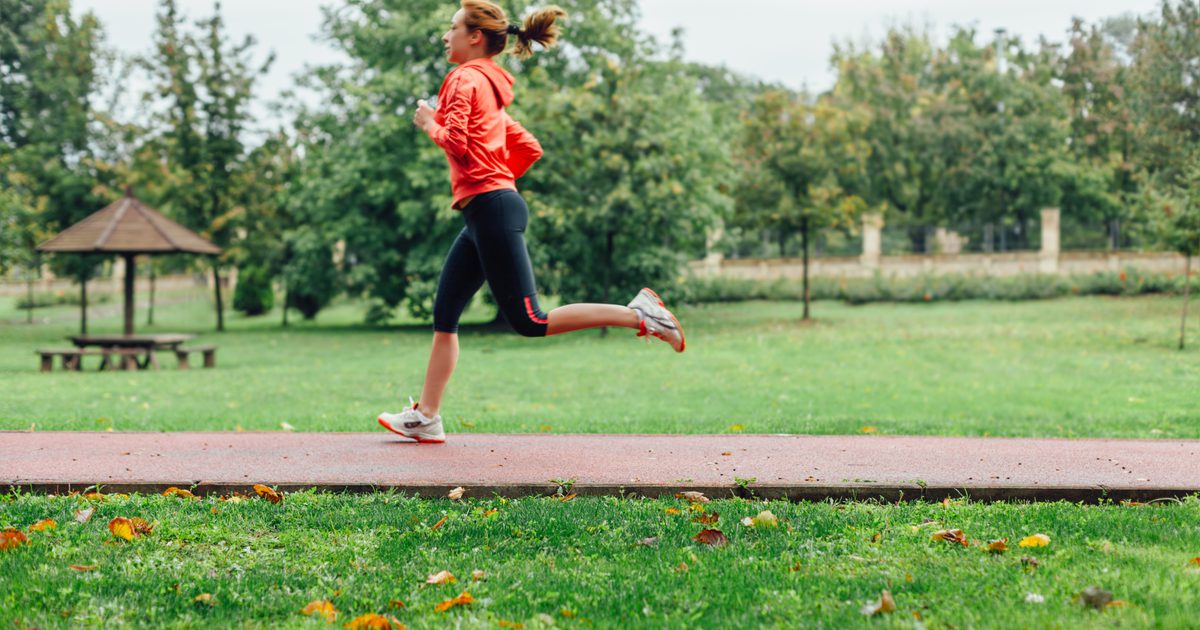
<point>206,83</point>
<point>1172,213</point>
<point>803,167</point>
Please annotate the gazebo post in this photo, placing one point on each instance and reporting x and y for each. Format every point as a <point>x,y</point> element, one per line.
<point>129,270</point>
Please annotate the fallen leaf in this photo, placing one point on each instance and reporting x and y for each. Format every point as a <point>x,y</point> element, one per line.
<point>456,493</point>
<point>286,427</point>
<point>712,537</point>
<point>373,621</point>
<point>696,507</point>
<point>727,453</point>
<point>693,496</point>
<point>320,607</point>
<point>1195,561</point>
<point>441,577</point>
<point>140,526</point>
<point>121,527</point>
<point>462,599</point>
<point>566,498</point>
<point>1116,603</point>
<point>1095,597</point>
<point>44,524</point>
<point>205,599</point>
<point>1034,598</point>
<point>395,603</point>
<point>85,515</point>
<point>867,429</point>
<point>997,546</point>
<point>796,567</point>
<point>765,519</point>
<point>951,536</point>
<point>178,492</point>
<point>707,519</point>
<point>490,512</point>
<point>885,605</point>
<point>439,523</point>
<point>681,567</point>
<point>83,567</point>
<point>267,493</point>
<point>877,537</point>
<point>11,538</point>
<point>1036,540</point>
<point>737,427</point>
<point>1029,563</point>
<point>650,541</point>
<point>94,496</point>
<point>672,510</point>
<point>510,624</point>
<point>477,575</point>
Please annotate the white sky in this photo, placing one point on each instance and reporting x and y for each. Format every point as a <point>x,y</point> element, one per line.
<point>779,40</point>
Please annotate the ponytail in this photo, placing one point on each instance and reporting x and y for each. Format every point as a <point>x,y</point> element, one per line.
<point>539,27</point>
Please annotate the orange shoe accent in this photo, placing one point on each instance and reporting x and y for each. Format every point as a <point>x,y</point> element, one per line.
<point>678,326</point>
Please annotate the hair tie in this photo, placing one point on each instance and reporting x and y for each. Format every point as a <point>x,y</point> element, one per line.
<point>513,29</point>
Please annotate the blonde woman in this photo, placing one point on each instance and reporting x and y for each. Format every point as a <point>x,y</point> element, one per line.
<point>488,151</point>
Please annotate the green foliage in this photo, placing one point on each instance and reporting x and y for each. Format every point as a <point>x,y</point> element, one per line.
<point>254,294</point>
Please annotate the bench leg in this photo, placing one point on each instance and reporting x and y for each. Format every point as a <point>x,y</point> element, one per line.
<point>210,358</point>
<point>47,362</point>
<point>129,362</point>
<point>183,359</point>
<point>106,361</point>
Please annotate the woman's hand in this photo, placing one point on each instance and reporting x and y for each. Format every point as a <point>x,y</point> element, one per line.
<point>424,116</point>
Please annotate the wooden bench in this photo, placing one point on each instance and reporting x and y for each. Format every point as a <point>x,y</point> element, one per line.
<point>210,355</point>
<point>70,357</point>
<point>128,357</point>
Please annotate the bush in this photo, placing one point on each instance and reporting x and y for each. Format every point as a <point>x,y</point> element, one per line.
<point>933,287</point>
<point>253,295</point>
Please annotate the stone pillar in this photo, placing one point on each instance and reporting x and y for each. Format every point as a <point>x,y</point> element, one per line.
<point>712,260</point>
<point>1048,256</point>
<point>872,239</point>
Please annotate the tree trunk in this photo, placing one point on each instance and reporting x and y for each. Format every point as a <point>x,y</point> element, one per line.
<point>1187,286</point>
<point>608,257</point>
<point>216,267</point>
<point>287,295</point>
<point>83,307</point>
<point>29,294</point>
<point>130,271</point>
<point>804,244</point>
<point>150,312</point>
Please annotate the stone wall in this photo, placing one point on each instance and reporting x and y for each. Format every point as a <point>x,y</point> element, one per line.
<point>1047,260</point>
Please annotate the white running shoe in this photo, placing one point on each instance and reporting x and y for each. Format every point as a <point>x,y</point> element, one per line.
<point>411,423</point>
<point>656,320</point>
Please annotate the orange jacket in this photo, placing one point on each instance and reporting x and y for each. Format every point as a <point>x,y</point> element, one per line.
<point>486,148</point>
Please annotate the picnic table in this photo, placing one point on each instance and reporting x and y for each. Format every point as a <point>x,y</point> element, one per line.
<point>132,345</point>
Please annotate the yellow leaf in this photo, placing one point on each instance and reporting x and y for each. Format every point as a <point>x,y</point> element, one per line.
<point>867,429</point>
<point>204,598</point>
<point>885,605</point>
<point>766,519</point>
<point>121,527</point>
<point>490,512</point>
<point>320,607</point>
<point>997,546</point>
<point>462,599</point>
<point>11,538</point>
<point>441,577</point>
<point>672,510</point>
<point>178,492</point>
<point>46,523</point>
<point>372,621</point>
<point>737,427</point>
<point>82,567</point>
<point>951,536</point>
<point>267,493</point>
<point>1036,540</point>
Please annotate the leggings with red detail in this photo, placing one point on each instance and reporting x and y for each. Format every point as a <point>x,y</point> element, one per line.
<point>491,247</point>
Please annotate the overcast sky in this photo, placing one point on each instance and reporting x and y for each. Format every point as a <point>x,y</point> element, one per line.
<point>779,40</point>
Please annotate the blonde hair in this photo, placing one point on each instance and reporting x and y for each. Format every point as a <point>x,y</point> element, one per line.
<point>490,18</point>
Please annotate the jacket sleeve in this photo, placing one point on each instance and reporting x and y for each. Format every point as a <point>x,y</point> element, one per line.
<point>451,135</point>
<point>523,148</point>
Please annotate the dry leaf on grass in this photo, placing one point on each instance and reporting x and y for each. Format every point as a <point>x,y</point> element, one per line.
<point>456,493</point>
<point>951,536</point>
<point>320,607</point>
<point>11,539</point>
<point>692,496</point>
<point>44,524</point>
<point>1036,540</point>
<point>650,541</point>
<point>1095,597</point>
<point>83,567</point>
<point>707,519</point>
<point>439,523</point>
<point>885,605</point>
<point>1030,564</point>
<point>178,492</point>
<point>997,546</point>
<point>1195,561</point>
<point>462,599</point>
<point>714,537</point>
<point>477,575</point>
<point>764,519</point>
<point>441,577</point>
<point>672,510</point>
<point>129,528</point>
<point>372,621</point>
<point>267,493</point>
<point>204,599</point>
<point>84,515</point>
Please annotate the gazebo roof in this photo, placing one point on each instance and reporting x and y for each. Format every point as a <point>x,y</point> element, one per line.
<point>127,226</point>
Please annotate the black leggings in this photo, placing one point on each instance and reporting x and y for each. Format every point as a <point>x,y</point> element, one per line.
<point>491,247</point>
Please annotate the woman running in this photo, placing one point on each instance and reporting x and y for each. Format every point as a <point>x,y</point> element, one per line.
<point>488,151</point>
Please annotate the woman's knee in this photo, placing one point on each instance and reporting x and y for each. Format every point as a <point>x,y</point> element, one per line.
<point>525,317</point>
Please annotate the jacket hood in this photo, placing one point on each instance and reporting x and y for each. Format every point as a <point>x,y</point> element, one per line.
<point>500,79</point>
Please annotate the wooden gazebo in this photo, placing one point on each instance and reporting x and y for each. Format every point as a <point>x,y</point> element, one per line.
<point>128,227</point>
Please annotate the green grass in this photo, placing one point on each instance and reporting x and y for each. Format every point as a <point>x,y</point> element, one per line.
<point>262,563</point>
<point>1094,367</point>
<point>1081,367</point>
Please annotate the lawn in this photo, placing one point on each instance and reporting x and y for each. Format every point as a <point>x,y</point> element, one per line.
<point>1084,367</point>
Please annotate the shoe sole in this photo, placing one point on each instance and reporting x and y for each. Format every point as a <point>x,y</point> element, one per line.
<point>678,326</point>
<point>411,437</point>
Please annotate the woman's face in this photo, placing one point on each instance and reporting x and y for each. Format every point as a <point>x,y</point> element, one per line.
<point>459,40</point>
